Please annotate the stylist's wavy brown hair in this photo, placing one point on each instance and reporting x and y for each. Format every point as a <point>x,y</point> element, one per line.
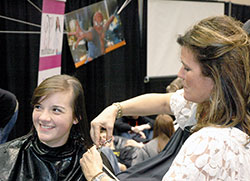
<point>222,49</point>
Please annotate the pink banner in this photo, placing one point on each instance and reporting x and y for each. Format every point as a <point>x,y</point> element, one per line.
<point>53,6</point>
<point>50,62</point>
<point>51,38</point>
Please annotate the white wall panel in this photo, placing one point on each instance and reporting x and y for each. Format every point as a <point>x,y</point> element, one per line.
<point>166,20</point>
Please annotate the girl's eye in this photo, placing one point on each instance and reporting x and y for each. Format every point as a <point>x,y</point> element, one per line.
<point>37,107</point>
<point>57,110</point>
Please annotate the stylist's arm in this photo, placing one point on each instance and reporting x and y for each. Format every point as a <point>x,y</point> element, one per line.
<point>147,104</point>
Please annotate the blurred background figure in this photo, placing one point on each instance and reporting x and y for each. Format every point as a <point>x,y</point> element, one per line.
<point>8,113</point>
<point>163,130</point>
<point>175,85</point>
<point>139,128</point>
<point>123,148</point>
<point>246,26</point>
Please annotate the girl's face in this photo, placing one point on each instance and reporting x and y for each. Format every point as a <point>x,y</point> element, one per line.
<point>197,87</point>
<point>53,118</point>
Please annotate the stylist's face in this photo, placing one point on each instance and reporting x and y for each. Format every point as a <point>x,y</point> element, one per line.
<point>197,87</point>
<point>53,118</point>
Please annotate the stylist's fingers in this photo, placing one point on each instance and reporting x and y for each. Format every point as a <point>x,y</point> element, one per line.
<point>91,155</point>
<point>95,133</point>
<point>95,153</point>
<point>93,150</point>
<point>109,132</point>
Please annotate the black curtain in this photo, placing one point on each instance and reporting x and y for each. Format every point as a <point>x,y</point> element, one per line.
<point>115,76</point>
<point>241,12</point>
<point>19,57</point>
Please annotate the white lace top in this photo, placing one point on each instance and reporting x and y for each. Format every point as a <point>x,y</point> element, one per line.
<point>212,154</point>
<point>183,110</point>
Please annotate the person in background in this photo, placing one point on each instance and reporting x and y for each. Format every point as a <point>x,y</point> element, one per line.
<point>163,130</point>
<point>139,128</point>
<point>8,113</point>
<point>175,85</point>
<point>58,139</point>
<point>246,26</point>
<point>215,57</point>
<point>116,145</point>
<point>123,148</point>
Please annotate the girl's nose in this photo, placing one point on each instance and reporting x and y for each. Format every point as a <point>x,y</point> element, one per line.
<point>45,116</point>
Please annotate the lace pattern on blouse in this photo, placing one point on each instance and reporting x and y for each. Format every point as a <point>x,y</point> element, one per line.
<point>212,154</point>
<point>183,110</point>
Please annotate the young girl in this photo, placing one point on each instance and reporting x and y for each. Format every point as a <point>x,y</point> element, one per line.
<point>52,150</point>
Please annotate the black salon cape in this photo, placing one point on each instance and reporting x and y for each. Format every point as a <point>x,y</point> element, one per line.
<point>153,169</point>
<point>27,159</point>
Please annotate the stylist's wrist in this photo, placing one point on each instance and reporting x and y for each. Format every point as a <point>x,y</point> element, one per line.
<point>91,173</point>
<point>96,176</point>
<point>118,107</point>
<point>102,177</point>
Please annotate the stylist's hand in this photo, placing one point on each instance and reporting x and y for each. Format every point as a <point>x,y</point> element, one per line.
<point>104,120</point>
<point>91,163</point>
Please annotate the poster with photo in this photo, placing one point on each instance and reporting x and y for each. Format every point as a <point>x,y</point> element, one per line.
<point>93,31</point>
<point>52,34</point>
